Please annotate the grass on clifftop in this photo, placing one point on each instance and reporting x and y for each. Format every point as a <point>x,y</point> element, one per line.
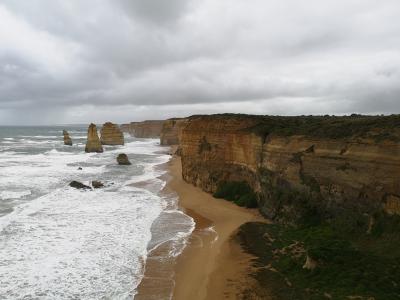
<point>363,267</point>
<point>334,127</point>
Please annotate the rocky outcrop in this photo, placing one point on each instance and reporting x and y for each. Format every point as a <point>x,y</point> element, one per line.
<point>336,165</point>
<point>171,131</point>
<point>111,134</point>
<point>67,138</point>
<point>97,184</point>
<point>79,185</point>
<point>122,159</point>
<point>93,143</point>
<point>145,129</point>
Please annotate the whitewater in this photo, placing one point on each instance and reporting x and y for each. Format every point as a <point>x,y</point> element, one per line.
<point>57,242</point>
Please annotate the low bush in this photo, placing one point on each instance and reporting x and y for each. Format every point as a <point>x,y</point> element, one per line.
<point>238,192</point>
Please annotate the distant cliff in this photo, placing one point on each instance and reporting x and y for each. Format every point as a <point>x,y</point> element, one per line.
<point>145,129</point>
<point>171,131</point>
<point>347,166</point>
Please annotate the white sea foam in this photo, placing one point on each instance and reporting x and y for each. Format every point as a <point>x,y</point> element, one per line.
<point>74,244</point>
<point>62,243</point>
<point>5,195</point>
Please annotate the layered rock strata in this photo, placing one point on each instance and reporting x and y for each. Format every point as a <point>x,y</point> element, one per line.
<point>336,165</point>
<point>93,143</point>
<point>171,131</point>
<point>111,134</point>
<point>145,129</point>
<point>67,138</point>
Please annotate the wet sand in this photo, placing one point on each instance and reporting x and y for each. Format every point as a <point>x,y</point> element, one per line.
<point>212,266</point>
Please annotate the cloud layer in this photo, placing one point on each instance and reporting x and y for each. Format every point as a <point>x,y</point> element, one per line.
<point>96,60</point>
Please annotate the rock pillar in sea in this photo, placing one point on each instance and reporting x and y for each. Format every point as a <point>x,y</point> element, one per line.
<point>93,142</point>
<point>67,139</point>
<point>111,134</point>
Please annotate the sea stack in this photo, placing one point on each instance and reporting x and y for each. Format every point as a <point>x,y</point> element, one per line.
<point>67,139</point>
<point>111,134</point>
<point>93,142</point>
<point>122,159</point>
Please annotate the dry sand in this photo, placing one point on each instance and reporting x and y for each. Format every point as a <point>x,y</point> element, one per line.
<point>212,266</point>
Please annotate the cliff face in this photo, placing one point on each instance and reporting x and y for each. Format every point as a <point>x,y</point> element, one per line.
<point>355,168</point>
<point>145,129</point>
<point>111,134</point>
<point>171,131</point>
<point>93,143</point>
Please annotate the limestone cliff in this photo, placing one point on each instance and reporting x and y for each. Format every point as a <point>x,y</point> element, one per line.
<point>93,143</point>
<point>67,138</point>
<point>171,131</point>
<point>111,134</point>
<point>333,164</point>
<point>145,129</point>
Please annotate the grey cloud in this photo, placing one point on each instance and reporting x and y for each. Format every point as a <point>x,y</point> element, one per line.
<point>155,11</point>
<point>78,59</point>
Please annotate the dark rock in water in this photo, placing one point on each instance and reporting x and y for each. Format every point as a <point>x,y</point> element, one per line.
<point>80,168</point>
<point>67,139</point>
<point>122,159</point>
<point>79,185</point>
<point>97,184</point>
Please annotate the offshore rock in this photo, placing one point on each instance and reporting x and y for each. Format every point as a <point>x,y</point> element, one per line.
<point>93,143</point>
<point>67,138</point>
<point>122,159</point>
<point>79,185</point>
<point>97,184</point>
<point>111,134</point>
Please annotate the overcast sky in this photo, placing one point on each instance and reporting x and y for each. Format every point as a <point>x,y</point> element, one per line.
<point>78,61</point>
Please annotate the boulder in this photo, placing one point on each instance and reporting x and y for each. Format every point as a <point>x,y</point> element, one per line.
<point>67,138</point>
<point>97,184</point>
<point>122,159</point>
<point>93,143</point>
<point>111,134</point>
<point>79,185</point>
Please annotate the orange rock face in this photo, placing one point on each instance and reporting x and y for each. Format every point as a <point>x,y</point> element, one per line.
<point>352,173</point>
<point>93,143</point>
<point>67,138</point>
<point>111,134</point>
<point>171,131</point>
<point>145,129</point>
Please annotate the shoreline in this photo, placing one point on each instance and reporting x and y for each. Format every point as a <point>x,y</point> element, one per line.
<point>212,265</point>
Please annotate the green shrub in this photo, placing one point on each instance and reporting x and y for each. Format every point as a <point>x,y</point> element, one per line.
<point>238,192</point>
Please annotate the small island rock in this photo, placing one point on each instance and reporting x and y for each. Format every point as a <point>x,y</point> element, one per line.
<point>79,185</point>
<point>97,184</point>
<point>67,138</point>
<point>122,159</point>
<point>93,142</point>
<point>111,134</point>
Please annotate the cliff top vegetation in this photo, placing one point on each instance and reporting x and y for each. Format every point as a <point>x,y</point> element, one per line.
<point>335,127</point>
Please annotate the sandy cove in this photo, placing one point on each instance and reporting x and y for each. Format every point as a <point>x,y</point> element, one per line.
<point>212,266</point>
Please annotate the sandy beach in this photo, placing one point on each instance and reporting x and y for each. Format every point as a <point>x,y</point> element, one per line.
<point>212,266</point>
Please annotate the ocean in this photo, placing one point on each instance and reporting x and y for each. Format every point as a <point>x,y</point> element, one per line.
<point>57,242</point>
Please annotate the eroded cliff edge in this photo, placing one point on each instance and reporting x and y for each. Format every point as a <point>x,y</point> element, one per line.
<point>145,129</point>
<point>337,166</point>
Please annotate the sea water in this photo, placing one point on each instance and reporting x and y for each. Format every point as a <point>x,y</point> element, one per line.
<point>57,242</point>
